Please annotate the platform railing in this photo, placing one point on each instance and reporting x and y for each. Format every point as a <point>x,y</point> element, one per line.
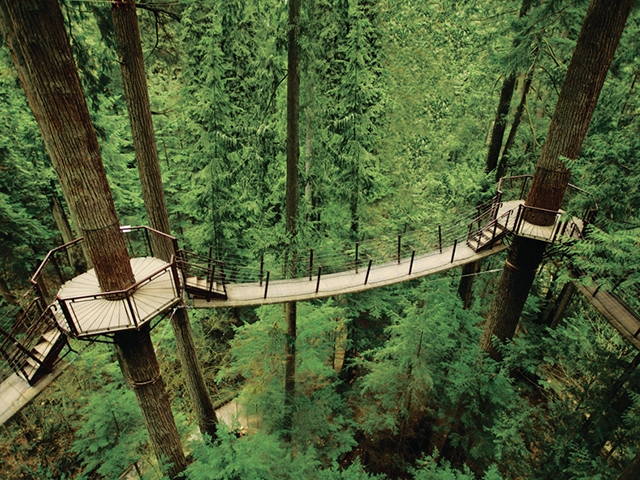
<point>576,201</point>
<point>71,307</point>
<point>16,347</point>
<point>205,268</point>
<point>66,262</point>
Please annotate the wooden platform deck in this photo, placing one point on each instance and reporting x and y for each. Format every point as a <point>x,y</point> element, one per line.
<point>93,314</point>
<point>530,230</point>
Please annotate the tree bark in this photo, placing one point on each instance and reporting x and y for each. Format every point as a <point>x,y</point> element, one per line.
<point>134,80</point>
<point>192,369</point>
<point>64,228</point>
<point>561,304</point>
<point>517,277</point>
<point>140,367</point>
<point>51,81</point>
<point>500,122</point>
<point>127,33</point>
<point>293,154</point>
<point>42,53</point>
<point>517,118</point>
<point>596,46</point>
<point>598,39</point>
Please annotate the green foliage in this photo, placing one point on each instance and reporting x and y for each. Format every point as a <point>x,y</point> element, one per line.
<point>258,352</point>
<point>431,469</point>
<point>111,435</point>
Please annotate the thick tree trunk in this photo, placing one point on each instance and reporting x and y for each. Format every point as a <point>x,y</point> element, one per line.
<point>64,228</point>
<point>129,47</point>
<point>293,154</point>
<point>140,367</point>
<point>42,53</point>
<point>517,277</point>
<point>465,288</point>
<point>589,65</point>
<point>596,46</point>
<point>192,369</point>
<point>52,84</point>
<point>134,80</point>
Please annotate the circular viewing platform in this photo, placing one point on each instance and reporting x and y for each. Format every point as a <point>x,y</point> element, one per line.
<point>82,309</point>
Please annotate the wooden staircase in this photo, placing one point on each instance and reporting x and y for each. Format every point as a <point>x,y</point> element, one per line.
<point>203,277</point>
<point>33,346</point>
<point>488,230</point>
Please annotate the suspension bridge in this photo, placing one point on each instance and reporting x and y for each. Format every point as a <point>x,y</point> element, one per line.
<point>65,299</point>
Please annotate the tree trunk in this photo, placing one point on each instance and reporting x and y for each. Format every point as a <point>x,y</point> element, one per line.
<point>500,122</point>
<point>192,369</point>
<point>129,47</point>
<point>134,80</point>
<point>293,154</point>
<point>525,255</point>
<point>594,52</point>
<point>596,46</point>
<point>561,304</point>
<point>42,53</point>
<point>517,118</point>
<point>140,367</point>
<point>465,288</point>
<point>52,84</point>
<point>64,228</point>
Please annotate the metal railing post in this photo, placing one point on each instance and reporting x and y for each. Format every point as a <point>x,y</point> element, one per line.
<point>176,276</point>
<point>266,287</point>
<point>399,247</point>
<point>413,255</point>
<point>357,255</point>
<point>319,275</point>
<point>261,267</point>
<point>311,264</point>
<point>440,237</point>
<point>133,312</point>
<point>366,278</point>
<point>455,244</point>
<point>67,315</point>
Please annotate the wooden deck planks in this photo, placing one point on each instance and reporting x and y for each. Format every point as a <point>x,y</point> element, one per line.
<point>15,392</point>
<point>619,316</point>
<point>99,315</point>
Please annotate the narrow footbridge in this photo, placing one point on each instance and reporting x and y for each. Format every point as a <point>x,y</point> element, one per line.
<point>66,301</point>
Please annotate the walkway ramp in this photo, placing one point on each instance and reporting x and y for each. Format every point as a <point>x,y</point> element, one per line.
<point>16,392</point>
<point>299,289</point>
<point>616,311</point>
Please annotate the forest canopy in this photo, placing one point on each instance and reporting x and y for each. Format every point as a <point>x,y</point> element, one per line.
<point>409,113</point>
